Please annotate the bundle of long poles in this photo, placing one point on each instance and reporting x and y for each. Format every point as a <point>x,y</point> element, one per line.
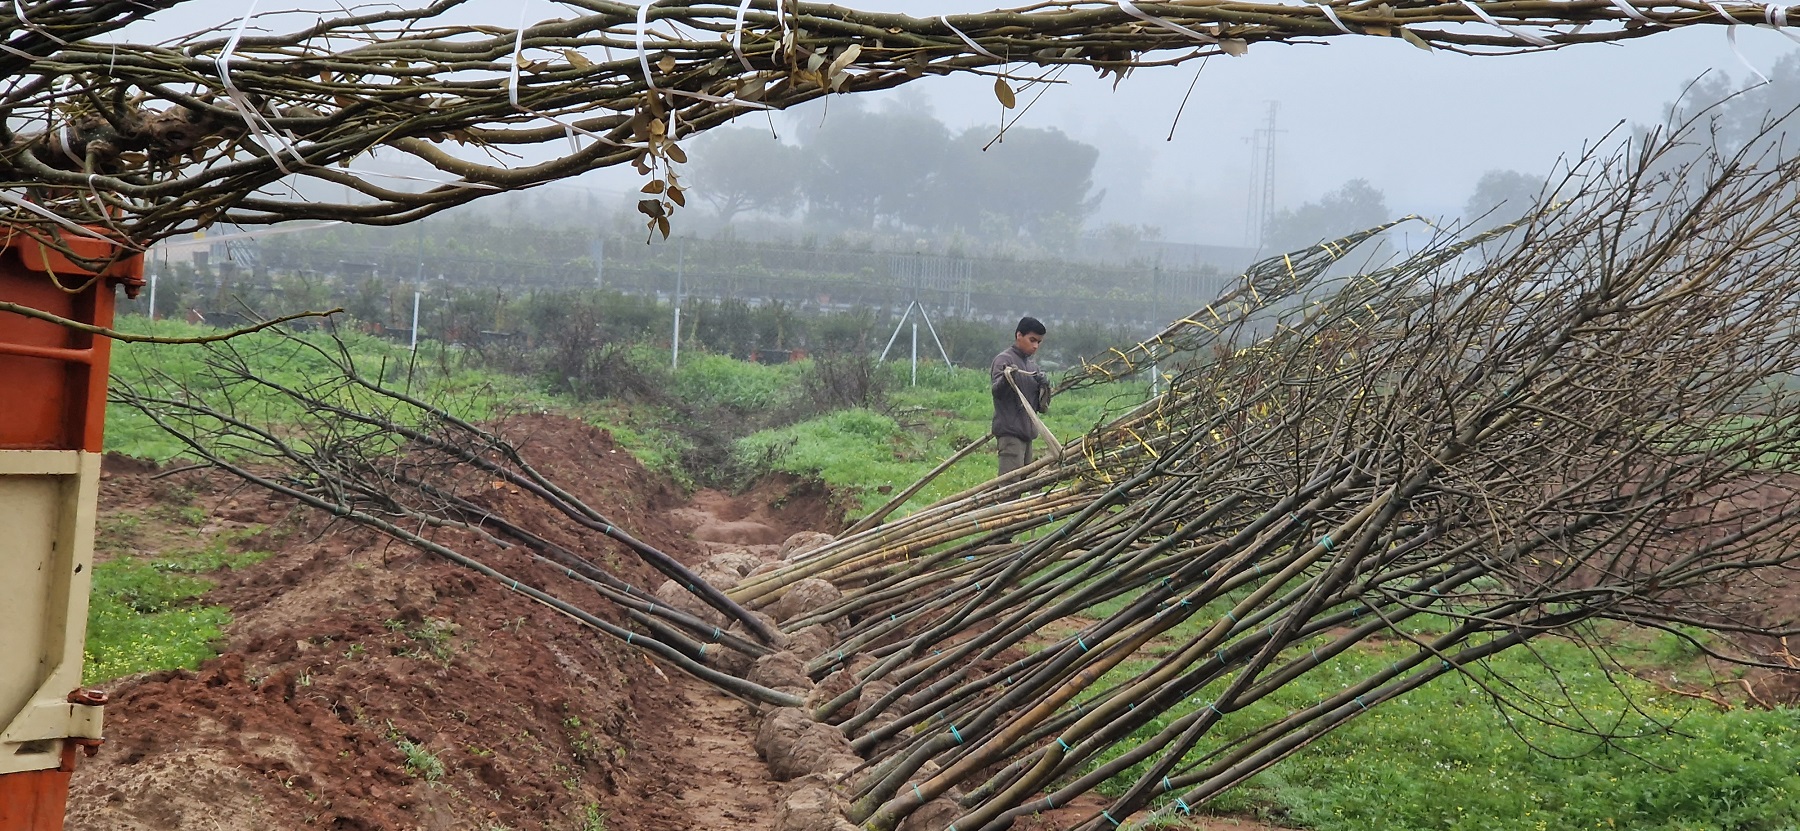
<point>1516,435</point>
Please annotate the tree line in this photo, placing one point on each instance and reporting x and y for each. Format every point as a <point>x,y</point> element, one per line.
<point>899,168</point>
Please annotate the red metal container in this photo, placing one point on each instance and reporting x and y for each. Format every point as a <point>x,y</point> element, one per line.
<point>52,378</point>
<point>52,420</point>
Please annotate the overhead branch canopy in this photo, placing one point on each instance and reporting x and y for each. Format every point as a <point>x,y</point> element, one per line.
<point>234,123</point>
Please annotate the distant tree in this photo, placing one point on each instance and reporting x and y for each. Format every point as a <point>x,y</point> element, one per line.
<point>739,169</point>
<point>1501,196</point>
<point>1029,180</point>
<point>1354,206</point>
<point>1735,115</point>
<point>866,166</point>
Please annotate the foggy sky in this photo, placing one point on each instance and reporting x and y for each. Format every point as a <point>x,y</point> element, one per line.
<point>1420,126</point>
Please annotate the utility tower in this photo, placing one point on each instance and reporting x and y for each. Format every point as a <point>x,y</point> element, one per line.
<point>1262,177</point>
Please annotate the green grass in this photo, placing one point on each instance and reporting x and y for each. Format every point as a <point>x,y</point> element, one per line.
<point>1446,758</point>
<point>707,380</point>
<point>870,455</point>
<point>438,376</point>
<point>471,394</point>
<point>142,614</point>
<point>420,761</point>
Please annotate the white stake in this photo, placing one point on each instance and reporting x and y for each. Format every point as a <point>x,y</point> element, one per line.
<point>415,332</point>
<point>680,272</point>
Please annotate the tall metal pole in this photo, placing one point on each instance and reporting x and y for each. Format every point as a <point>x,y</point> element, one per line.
<point>415,328</point>
<point>915,354</point>
<point>680,272</point>
<point>1262,176</point>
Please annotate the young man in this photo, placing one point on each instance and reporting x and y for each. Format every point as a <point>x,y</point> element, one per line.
<point>1012,368</point>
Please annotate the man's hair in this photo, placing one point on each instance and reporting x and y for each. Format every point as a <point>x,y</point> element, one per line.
<point>1029,326</point>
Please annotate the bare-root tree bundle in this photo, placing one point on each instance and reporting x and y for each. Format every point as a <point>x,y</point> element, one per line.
<point>362,446</point>
<point>276,115</point>
<point>1580,426</point>
<point>1573,422</point>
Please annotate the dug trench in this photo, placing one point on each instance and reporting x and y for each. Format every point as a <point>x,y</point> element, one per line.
<point>362,684</point>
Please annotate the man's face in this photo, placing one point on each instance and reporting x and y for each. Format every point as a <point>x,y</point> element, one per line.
<point>1027,344</point>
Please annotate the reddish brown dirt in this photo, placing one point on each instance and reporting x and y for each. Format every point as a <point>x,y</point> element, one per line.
<point>346,649</point>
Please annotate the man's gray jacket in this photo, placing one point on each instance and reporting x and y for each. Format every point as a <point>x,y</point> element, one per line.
<point>1009,415</point>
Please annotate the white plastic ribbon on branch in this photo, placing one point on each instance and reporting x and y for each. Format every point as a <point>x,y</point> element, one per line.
<point>966,39</point>
<point>19,12</point>
<point>643,50</point>
<point>1633,13</point>
<point>1134,11</point>
<point>19,53</point>
<point>1329,12</point>
<point>53,217</point>
<point>1777,17</point>
<point>1731,38</point>
<point>737,36</point>
<point>1528,37</point>
<point>261,131</point>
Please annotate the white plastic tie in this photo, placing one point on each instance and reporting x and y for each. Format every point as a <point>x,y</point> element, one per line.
<point>1134,11</point>
<point>1633,13</point>
<point>945,19</point>
<point>65,141</point>
<point>643,26</point>
<point>1535,40</point>
<point>449,183</point>
<point>737,36</point>
<point>1723,13</point>
<point>1778,20</point>
<point>261,131</point>
<point>19,12</point>
<point>643,23</point>
<point>53,217</point>
<point>512,81</point>
<point>1731,38</point>
<point>1329,12</point>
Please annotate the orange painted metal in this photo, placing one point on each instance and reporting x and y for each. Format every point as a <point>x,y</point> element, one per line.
<point>53,397</point>
<point>53,378</point>
<point>36,800</point>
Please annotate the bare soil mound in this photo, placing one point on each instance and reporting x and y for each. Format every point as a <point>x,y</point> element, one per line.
<point>365,685</point>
